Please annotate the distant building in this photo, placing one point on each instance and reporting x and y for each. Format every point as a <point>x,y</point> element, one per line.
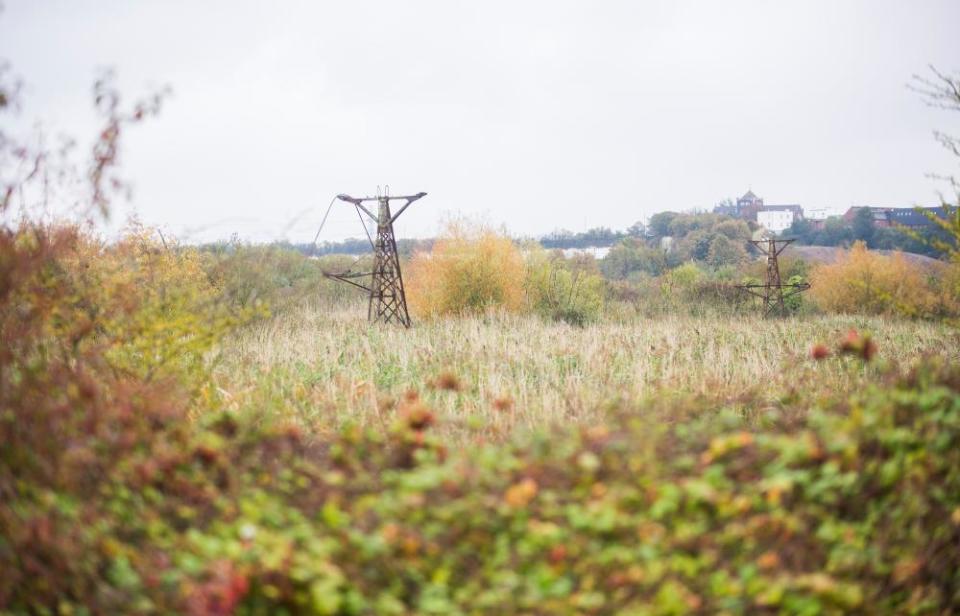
<point>726,210</point>
<point>818,216</point>
<point>779,218</point>
<point>775,220</point>
<point>913,219</point>
<point>745,207</point>
<point>897,216</point>
<point>597,252</point>
<point>880,215</point>
<point>750,207</point>
<point>749,200</point>
<point>793,208</point>
<point>821,213</point>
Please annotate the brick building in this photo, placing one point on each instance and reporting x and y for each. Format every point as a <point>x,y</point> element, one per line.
<point>750,207</point>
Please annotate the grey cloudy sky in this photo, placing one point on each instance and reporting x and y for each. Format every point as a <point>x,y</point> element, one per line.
<point>539,115</point>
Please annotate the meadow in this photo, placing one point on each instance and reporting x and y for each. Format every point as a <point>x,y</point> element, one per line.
<point>322,366</point>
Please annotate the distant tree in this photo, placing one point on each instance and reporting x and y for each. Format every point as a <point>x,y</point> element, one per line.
<point>695,246</point>
<point>835,232</point>
<point>560,238</point>
<point>598,236</point>
<point>580,262</point>
<point>862,226</point>
<point>352,246</point>
<point>660,223</point>
<point>892,238</point>
<point>725,252</point>
<point>637,229</point>
<point>737,230</point>
<point>802,230</point>
<point>631,256</point>
<point>687,223</point>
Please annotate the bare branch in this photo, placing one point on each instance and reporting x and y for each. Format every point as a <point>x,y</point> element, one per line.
<point>942,90</point>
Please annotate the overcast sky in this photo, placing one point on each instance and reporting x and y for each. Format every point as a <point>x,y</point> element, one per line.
<point>538,115</point>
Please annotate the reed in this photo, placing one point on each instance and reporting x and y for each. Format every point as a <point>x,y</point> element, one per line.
<point>323,366</point>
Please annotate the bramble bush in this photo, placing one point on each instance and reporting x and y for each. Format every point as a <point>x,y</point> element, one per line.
<point>850,506</point>
<point>71,415</point>
<point>101,361</point>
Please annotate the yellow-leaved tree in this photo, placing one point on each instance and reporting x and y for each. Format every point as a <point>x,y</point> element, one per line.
<point>867,282</point>
<point>471,269</point>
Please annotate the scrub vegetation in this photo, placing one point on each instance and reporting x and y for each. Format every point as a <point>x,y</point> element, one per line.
<point>216,431</point>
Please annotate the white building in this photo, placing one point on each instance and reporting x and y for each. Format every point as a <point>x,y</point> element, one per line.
<point>597,252</point>
<point>821,213</point>
<point>775,220</point>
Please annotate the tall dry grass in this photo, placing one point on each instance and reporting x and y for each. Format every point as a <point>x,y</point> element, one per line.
<point>325,366</point>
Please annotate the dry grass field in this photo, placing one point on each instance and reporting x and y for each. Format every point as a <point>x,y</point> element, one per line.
<point>324,366</point>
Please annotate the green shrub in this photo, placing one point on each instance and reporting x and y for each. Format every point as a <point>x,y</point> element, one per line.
<point>557,292</point>
<point>631,256</point>
<point>686,290</point>
<point>276,277</point>
<point>794,302</point>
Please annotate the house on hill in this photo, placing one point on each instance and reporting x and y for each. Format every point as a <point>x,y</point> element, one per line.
<point>779,218</point>
<point>750,207</point>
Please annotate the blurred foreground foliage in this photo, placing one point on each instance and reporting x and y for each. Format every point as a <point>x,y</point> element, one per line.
<point>118,497</point>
